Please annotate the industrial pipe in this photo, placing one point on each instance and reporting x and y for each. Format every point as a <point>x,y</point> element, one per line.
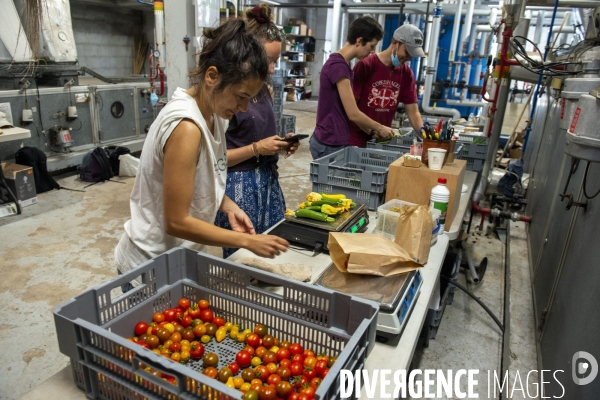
<point>431,67</point>
<point>335,29</point>
<point>409,8</point>
<point>502,214</point>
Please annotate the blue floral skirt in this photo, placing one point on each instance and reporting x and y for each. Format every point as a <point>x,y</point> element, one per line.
<point>258,193</point>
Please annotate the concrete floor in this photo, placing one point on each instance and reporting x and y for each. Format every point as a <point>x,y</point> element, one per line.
<point>64,245</point>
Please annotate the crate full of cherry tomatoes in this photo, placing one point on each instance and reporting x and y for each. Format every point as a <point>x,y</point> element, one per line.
<point>197,326</point>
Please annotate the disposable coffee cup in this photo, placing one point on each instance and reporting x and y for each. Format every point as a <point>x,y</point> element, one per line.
<point>435,158</point>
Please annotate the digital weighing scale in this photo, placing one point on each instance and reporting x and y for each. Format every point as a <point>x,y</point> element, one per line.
<point>314,234</point>
<point>396,295</point>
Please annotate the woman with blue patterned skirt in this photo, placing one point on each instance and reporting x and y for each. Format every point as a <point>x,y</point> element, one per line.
<point>253,144</point>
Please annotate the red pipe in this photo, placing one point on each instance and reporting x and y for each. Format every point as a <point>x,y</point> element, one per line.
<point>486,211</point>
<point>162,83</point>
<point>481,210</point>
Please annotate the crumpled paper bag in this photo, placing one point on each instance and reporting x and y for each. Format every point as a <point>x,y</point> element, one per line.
<point>413,232</point>
<point>368,253</point>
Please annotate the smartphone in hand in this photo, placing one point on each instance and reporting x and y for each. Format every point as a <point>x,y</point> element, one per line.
<point>295,138</point>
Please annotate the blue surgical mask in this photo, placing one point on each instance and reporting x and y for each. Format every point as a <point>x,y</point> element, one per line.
<point>395,61</point>
<point>153,99</point>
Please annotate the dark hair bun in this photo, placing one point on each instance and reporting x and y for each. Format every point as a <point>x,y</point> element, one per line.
<point>261,14</point>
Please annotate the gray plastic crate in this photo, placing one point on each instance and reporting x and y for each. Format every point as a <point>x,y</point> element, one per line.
<point>370,199</point>
<point>354,168</point>
<point>92,328</point>
<point>474,164</point>
<point>398,144</point>
<point>473,146</point>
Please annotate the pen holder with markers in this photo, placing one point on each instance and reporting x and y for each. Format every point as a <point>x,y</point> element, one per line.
<point>439,144</point>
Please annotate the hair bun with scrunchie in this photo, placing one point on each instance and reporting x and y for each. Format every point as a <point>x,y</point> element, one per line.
<point>258,16</point>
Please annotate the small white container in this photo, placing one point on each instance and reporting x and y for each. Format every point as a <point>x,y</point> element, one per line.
<point>435,158</point>
<point>440,195</point>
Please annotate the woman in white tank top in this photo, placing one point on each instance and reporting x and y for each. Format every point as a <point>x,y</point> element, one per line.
<point>181,179</point>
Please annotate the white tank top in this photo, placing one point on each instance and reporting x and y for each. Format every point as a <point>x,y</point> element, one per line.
<point>145,235</point>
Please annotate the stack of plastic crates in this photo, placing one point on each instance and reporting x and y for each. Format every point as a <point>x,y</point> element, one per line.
<point>360,174</point>
<point>288,124</point>
<point>92,328</point>
<point>474,150</point>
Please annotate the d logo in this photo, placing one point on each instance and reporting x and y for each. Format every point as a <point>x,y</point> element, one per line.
<point>584,364</point>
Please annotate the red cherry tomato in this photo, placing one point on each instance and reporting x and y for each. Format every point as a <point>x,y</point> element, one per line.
<point>243,359</point>
<point>206,315</point>
<point>294,396</point>
<point>273,379</point>
<point>203,304</point>
<point>300,382</point>
<point>296,369</point>
<point>184,303</point>
<point>283,354</point>
<point>143,344</point>
<point>315,382</point>
<point>158,317</point>
<point>295,348</point>
<point>309,373</point>
<point>218,321</point>
<point>262,373</point>
<point>308,353</point>
<point>234,367</point>
<point>285,363</point>
<point>169,315</point>
<point>194,311</point>
<point>309,391</point>
<point>197,351</point>
<point>252,339</point>
<point>186,321</point>
<point>310,362</point>
<point>141,328</point>
<point>320,367</point>
<point>298,359</point>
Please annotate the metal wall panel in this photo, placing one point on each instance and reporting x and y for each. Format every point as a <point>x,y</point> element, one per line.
<point>539,195</point>
<point>537,128</point>
<point>558,223</point>
<point>116,113</point>
<point>52,101</point>
<point>573,321</point>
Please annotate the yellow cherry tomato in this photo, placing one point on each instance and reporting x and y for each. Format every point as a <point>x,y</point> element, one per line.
<point>228,326</point>
<point>205,339</point>
<point>170,327</point>
<point>184,343</point>
<point>274,349</point>
<point>245,387</point>
<point>256,361</point>
<point>220,334</point>
<point>230,383</point>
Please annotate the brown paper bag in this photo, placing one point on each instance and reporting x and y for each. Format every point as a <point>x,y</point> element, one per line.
<point>368,253</point>
<point>413,233</point>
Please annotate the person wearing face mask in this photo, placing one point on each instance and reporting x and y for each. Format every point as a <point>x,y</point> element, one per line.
<point>336,108</point>
<point>383,80</point>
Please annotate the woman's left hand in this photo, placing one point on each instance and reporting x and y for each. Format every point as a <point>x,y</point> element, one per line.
<point>293,146</point>
<point>240,222</point>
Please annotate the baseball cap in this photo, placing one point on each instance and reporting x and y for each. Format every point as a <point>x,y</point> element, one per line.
<point>4,122</point>
<point>412,38</point>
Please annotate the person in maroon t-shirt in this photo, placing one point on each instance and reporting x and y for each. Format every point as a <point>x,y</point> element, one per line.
<point>383,80</point>
<point>336,107</point>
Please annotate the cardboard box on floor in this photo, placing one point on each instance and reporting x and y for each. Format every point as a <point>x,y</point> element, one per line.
<point>414,184</point>
<point>21,182</point>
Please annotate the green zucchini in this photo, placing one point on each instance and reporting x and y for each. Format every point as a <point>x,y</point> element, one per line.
<point>335,203</point>
<point>313,208</point>
<point>319,216</point>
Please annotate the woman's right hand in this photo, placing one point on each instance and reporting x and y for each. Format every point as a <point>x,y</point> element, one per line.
<point>271,145</point>
<point>267,246</point>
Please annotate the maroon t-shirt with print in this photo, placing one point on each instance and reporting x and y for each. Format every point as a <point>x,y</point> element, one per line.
<point>378,89</point>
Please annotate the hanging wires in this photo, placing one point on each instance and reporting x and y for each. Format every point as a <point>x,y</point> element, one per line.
<point>537,66</point>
